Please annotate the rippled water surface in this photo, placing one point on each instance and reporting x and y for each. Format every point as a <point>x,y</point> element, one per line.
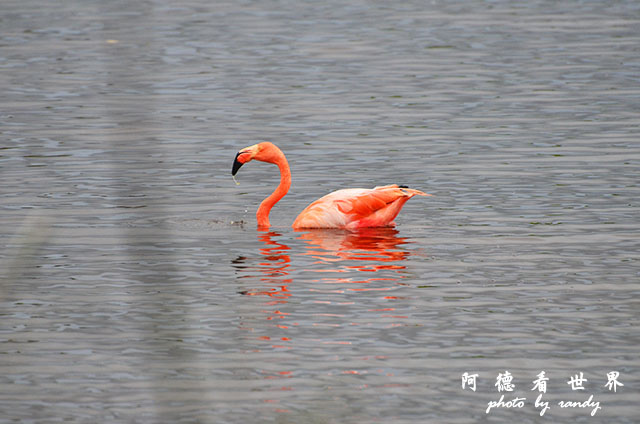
<point>136,288</point>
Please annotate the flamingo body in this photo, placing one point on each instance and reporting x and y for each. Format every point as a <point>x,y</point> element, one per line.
<point>349,208</point>
<point>353,208</point>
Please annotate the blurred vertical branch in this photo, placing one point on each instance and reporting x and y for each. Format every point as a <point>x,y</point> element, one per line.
<point>22,250</point>
<point>133,60</point>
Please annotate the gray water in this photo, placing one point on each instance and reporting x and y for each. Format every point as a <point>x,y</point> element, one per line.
<point>136,288</point>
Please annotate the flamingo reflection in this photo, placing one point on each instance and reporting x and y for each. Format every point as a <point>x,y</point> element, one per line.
<point>367,259</point>
<point>273,268</point>
<point>361,258</point>
<point>366,250</point>
<point>379,245</point>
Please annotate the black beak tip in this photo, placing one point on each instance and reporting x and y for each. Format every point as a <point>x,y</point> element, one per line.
<point>236,165</point>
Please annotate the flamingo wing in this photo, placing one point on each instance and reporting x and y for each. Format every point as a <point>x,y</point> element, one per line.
<point>356,208</point>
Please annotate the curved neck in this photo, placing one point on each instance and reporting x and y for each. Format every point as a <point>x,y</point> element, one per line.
<point>285,182</point>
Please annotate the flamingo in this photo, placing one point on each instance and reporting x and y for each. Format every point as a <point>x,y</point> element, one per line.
<point>349,208</point>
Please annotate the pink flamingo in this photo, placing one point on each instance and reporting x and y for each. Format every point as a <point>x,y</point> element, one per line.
<point>349,208</point>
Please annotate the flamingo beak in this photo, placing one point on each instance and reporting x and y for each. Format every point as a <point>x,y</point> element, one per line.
<point>236,165</point>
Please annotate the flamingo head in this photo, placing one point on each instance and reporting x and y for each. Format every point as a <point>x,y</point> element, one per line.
<point>265,152</point>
